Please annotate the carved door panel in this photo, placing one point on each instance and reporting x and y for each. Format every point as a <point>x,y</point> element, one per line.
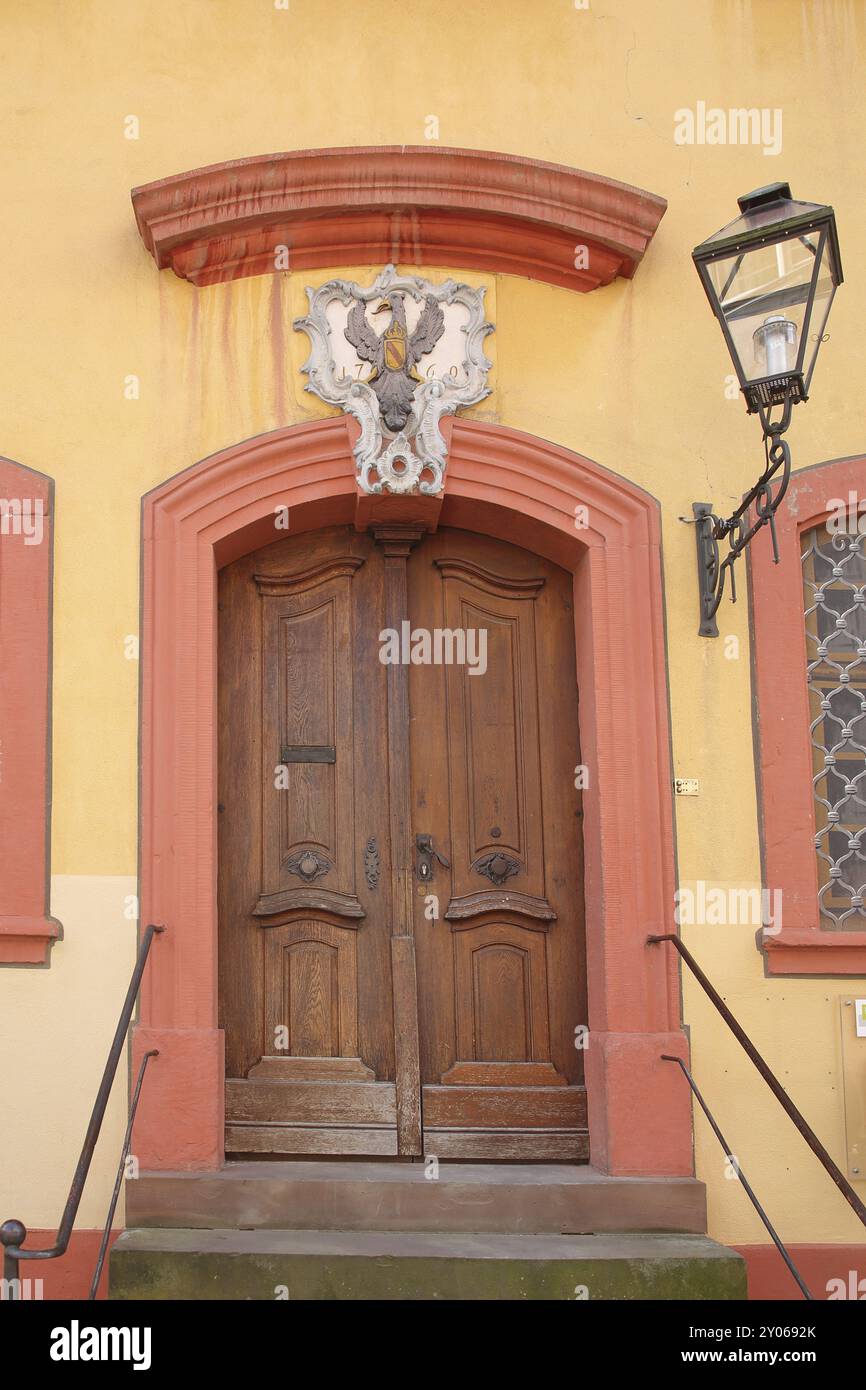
<point>305,975</point>
<point>501,979</point>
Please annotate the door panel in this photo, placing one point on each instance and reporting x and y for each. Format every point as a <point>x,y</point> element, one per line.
<point>304,881</point>
<point>334,975</point>
<point>501,969</point>
<point>308,727</point>
<point>492,735</point>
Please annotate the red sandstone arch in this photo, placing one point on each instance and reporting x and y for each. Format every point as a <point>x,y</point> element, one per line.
<point>507,484</point>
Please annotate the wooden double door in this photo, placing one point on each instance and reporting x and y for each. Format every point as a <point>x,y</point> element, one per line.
<point>400,852</point>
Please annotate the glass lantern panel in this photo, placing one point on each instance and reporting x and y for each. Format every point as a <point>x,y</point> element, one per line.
<point>824,292</point>
<point>764,294</point>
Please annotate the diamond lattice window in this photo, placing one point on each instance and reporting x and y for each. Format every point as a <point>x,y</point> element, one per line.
<point>834,578</point>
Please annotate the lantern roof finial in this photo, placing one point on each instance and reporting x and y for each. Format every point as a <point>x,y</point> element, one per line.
<point>759,197</point>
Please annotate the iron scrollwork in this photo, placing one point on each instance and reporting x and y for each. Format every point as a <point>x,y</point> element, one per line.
<point>765,496</point>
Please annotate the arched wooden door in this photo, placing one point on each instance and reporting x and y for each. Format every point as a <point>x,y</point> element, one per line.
<point>400,864</point>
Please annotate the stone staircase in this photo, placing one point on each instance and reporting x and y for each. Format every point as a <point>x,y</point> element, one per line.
<point>373,1230</point>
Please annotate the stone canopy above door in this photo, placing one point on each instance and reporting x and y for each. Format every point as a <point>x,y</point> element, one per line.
<point>418,205</point>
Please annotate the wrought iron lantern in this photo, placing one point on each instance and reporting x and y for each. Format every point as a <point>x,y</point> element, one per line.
<point>770,276</point>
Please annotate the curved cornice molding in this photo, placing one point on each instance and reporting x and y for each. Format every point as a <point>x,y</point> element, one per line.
<point>407,204</point>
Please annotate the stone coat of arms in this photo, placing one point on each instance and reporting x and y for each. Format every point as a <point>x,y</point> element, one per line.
<point>397,355</point>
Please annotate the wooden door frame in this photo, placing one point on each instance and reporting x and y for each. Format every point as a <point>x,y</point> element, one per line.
<point>502,483</point>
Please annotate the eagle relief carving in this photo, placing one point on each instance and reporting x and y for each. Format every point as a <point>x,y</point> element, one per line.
<point>397,355</point>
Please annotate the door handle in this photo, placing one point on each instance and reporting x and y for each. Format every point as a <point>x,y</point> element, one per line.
<point>426,853</point>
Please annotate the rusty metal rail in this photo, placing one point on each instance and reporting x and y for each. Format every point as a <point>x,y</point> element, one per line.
<point>772,1081</point>
<point>13,1233</point>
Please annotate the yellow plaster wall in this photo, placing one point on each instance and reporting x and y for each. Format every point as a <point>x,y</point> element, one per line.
<point>633,376</point>
<point>57,1026</point>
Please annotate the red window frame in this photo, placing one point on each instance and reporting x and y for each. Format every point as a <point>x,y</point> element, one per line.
<point>787,815</point>
<point>27,930</point>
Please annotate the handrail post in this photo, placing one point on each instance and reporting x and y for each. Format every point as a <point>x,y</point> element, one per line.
<point>127,1140</point>
<point>12,1236</point>
<point>741,1177</point>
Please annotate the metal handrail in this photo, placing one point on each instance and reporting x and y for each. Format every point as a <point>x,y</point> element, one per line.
<point>775,1085</point>
<point>747,1186</point>
<point>13,1233</point>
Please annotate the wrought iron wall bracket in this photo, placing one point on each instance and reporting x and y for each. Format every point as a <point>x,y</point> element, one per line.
<point>739,528</point>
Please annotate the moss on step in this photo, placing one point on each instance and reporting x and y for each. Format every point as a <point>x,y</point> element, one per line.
<point>633,1267</point>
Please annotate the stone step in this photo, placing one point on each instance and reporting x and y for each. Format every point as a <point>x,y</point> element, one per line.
<point>385,1265</point>
<point>359,1196</point>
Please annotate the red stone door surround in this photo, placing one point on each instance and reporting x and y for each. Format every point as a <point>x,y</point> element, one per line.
<point>503,483</point>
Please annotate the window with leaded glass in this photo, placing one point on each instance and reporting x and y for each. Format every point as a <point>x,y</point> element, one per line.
<point>834,578</point>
